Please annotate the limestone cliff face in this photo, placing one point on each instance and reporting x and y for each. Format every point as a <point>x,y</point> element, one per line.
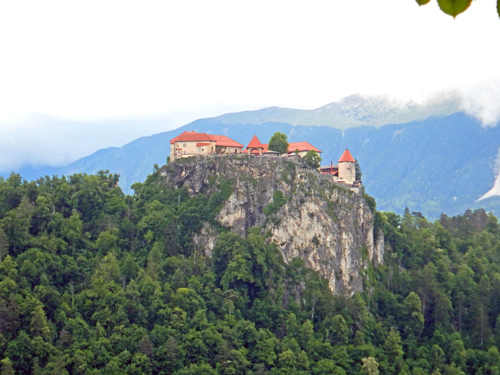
<point>306,214</point>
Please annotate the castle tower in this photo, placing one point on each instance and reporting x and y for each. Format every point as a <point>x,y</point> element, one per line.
<point>347,167</point>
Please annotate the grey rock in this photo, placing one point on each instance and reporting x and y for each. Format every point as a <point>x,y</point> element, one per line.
<point>328,226</point>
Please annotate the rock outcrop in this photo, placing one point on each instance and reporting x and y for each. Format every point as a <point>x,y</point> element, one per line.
<point>305,213</point>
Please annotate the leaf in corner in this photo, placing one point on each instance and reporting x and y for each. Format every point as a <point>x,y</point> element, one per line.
<point>454,7</point>
<point>498,7</point>
<point>423,2</point>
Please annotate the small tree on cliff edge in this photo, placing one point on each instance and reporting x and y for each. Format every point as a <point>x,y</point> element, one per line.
<point>358,172</point>
<point>312,159</point>
<point>278,143</point>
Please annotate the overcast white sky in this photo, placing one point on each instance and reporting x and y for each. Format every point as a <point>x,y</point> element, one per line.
<point>70,72</point>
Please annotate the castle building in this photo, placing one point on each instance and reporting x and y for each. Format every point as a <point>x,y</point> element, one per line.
<point>294,148</point>
<point>345,171</point>
<point>347,167</point>
<point>191,143</point>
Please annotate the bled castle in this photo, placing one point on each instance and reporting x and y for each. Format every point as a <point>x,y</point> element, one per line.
<point>191,143</point>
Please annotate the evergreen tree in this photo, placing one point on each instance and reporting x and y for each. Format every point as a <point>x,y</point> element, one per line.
<point>358,173</point>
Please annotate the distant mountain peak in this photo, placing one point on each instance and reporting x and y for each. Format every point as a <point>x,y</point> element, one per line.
<point>353,111</point>
<point>383,109</point>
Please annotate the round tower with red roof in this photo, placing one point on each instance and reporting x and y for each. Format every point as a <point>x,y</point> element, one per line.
<point>347,167</point>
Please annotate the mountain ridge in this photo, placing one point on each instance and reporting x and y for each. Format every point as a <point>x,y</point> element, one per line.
<point>352,111</point>
<point>440,164</point>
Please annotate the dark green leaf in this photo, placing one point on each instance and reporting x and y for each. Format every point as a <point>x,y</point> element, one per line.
<point>498,7</point>
<point>422,2</point>
<point>454,7</point>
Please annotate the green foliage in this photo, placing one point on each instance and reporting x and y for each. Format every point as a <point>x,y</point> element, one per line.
<point>93,281</point>
<point>414,319</point>
<point>4,244</point>
<point>278,143</point>
<point>370,201</point>
<point>370,366</point>
<point>358,174</point>
<point>6,366</point>
<point>454,7</point>
<point>312,159</point>
<point>278,201</point>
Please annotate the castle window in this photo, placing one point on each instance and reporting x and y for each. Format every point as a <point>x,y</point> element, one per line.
<point>184,145</point>
<point>201,150</point>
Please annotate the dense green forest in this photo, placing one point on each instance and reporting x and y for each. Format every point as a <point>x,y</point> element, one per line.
<point>96,282</point>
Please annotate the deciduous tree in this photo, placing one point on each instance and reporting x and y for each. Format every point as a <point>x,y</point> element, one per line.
<point>312,159</point>
<point>278,143</point>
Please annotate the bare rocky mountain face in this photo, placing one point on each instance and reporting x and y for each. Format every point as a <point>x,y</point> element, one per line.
<point>303,212</point>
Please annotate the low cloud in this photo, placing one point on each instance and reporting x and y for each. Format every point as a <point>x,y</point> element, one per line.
<point>483,102</point>
<point>41,140</point>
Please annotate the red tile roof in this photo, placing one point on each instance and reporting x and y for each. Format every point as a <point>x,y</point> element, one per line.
<point>254,143</point>
<point>301,146</point>
<point>192,137</point>
<point>223,141</point>
<point>346,156</point>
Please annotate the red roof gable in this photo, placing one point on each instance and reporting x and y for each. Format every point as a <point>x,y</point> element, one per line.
<point>346,156</point>
<point>254,143</point>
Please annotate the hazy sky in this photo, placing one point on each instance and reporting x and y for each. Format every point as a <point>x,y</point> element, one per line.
<point>70,72</point>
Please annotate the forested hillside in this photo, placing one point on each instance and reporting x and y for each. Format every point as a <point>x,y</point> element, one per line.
<point>96,282</point>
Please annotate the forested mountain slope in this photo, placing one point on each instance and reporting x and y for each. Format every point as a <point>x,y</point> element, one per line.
<point>96,282</point>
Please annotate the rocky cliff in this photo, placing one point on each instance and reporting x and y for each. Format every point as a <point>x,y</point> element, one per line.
<point>304,213</point>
